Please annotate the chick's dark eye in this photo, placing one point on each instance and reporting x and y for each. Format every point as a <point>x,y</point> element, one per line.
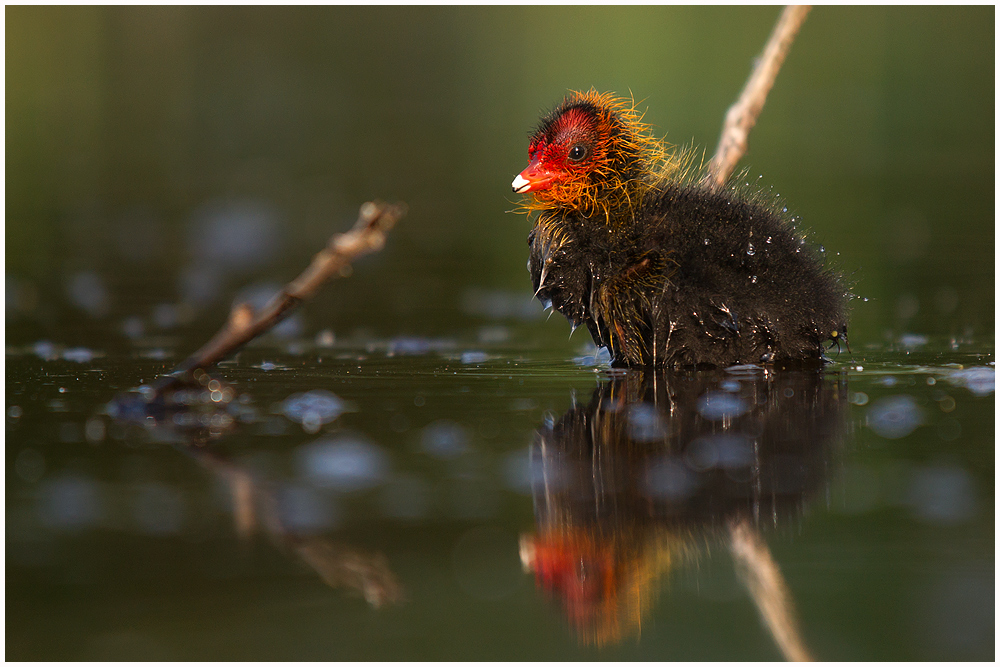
<point>577,153</point>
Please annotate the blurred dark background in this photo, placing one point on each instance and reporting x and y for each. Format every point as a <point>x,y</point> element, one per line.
<point>159,160</point>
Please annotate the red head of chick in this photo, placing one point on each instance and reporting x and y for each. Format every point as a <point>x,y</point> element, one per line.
<point>662,270</point>
<point>592,154</point>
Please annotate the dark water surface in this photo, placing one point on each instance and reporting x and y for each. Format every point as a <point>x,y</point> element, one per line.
<point>418,465</point>
<point>423,482</point>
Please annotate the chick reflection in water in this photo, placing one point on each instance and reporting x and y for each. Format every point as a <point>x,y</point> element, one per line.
<point>629,486</point>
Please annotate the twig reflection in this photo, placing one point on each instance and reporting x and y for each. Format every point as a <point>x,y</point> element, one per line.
<point>191,419</point>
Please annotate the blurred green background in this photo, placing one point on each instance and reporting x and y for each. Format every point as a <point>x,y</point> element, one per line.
<point>131,131</point>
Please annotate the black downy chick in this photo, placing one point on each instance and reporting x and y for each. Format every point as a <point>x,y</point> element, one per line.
<point>662,270</point>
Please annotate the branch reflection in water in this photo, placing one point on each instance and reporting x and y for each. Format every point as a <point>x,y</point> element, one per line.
<point>194,415</point>
<point>627,488</point>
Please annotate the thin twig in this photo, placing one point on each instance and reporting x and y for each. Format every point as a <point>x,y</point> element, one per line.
<point>742,116</point>
<point>768,589</point>
<point>368,235</point>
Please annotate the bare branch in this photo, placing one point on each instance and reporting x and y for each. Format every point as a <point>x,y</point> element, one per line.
<point>767,587</point>
<point>743,115</point>
<point>368,235</point>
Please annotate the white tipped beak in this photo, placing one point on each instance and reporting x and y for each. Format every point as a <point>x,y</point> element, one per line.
<point>521,184</point>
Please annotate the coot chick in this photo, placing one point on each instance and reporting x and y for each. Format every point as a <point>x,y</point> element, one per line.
<point>663,270</point>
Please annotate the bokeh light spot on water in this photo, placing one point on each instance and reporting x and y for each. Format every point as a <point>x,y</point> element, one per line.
<point>87,292</point>
<point>644,423</point>
<point>45,350</point>
<point>493,334</point>
<point>720,450</point>
<point>858,398</point>
<point>474,357</point>
<point>313,408</point>
<point>344,464</point>
<point>500,304</point>
<point>669,479</point>
<point>522,472</point>
<point>305,510</point>
<point>70,502</point>
<point>416,345</point>
<point>166,315</point>
<point>199,285</point>
<point>942,494</point>
<point>895,416</point>
<point>718,405</point>
<point>912,341</point>
<point>980,380</point>
<point>158,509</point>
<point>325,338</point>
<point>732,386</point>
<point>133,327</point>
<point>444,439</point>
<point>235,234</point>
<point>94,430</point>
<point>80,355</point>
